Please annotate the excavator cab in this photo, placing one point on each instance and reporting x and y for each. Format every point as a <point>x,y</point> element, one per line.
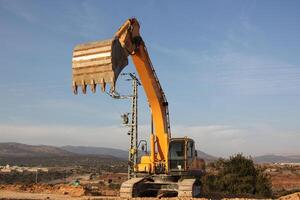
<point>181,154</point>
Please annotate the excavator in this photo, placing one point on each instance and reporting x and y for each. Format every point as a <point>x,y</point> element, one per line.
<point>172,168</point>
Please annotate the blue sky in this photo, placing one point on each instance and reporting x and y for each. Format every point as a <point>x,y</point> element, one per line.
<point>230,70</point>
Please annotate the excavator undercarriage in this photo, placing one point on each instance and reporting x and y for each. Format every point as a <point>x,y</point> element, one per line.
<point>160,186</point>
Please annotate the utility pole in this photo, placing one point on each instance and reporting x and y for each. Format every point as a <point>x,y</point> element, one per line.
<point>133,132</point>
<point>133,151</point>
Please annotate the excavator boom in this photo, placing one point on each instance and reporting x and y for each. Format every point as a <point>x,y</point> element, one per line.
<point>101,62</point>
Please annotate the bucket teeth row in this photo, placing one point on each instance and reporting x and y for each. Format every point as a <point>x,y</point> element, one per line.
<point>97,63</point>
<point>92,86</point>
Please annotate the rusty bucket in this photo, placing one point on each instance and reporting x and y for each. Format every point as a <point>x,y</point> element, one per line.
<point>97,62</point>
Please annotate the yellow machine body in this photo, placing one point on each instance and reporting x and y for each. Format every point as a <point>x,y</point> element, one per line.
<point>170,159</point>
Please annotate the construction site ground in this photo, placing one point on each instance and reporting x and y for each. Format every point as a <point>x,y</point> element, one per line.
<point>11,195</point>
<point>65,191</point>
<point>106,186</point>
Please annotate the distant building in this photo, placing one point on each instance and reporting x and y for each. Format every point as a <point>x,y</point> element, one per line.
<point>288,164</point>
<point>8,169</point>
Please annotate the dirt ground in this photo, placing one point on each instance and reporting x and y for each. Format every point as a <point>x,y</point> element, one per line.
<point>66,193</point>
<point>59,189</point>
<point>106,184</point>
<point>6,194</point>
<point>287,182</point>
<point>59,192</point>
<point>10,195</point>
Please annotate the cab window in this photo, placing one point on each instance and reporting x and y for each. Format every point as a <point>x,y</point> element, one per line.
<point>176,155</point>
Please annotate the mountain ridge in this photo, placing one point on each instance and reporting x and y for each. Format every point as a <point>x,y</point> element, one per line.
<point>271,158</point>
<point>15,149</point>
<point>91,150</point>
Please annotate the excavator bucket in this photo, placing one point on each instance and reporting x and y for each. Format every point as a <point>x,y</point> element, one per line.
<point>97,62</point>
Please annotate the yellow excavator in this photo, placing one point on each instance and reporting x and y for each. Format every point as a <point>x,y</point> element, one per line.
<point>172,168</point>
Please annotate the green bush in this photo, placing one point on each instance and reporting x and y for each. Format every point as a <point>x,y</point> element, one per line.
<point>236,176</point>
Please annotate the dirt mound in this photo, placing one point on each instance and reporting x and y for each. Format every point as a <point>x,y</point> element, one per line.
<point>70,190</point>
<point>295,196</point>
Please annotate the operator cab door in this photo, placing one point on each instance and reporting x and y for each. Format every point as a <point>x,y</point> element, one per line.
<point>177,155</point>
<point>181,154</point>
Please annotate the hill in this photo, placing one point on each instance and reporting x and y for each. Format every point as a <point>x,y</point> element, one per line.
<point>206,157</point>
<point>277,159</point>
<point>87,150</point>
<point>23,150</point>
<point>12,149</point>
<point>50,156</point>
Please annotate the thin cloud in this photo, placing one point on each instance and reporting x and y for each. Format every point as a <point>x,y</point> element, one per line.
<point>82,19</point>
<point>65,135</point>
<point>219,140</point>
<point>232,67</point>
<point>19,9</point>
<point>225,140</point>
<point>252,75</point>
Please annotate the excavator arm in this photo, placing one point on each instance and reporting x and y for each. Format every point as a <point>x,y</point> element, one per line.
<point>101,62</point>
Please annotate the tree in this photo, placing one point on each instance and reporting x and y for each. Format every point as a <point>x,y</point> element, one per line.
<point>237,176</point>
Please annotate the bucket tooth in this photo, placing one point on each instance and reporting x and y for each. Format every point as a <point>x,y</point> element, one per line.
<point>93,86</point>
<point>103,85</point>
<point>83,87</point>
<point>75,88</point>
<point>112,88</point>
<point>112,85</point>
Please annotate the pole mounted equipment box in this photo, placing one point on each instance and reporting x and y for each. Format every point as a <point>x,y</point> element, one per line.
<point>97,62</point>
